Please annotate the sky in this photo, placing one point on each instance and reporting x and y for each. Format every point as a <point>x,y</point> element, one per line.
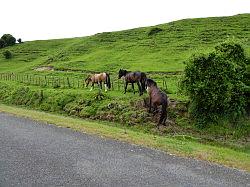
<point>51,19</point>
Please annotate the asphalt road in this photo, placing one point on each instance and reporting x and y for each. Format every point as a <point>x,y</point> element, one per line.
<point>33,153</point>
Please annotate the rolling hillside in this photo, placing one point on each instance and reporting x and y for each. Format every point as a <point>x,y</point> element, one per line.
<point>161,48</point>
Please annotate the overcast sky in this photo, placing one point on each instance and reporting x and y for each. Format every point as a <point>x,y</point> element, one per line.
<point>47,19</point>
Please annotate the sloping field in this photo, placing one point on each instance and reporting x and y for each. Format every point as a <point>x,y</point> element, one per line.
<point>161,48</point>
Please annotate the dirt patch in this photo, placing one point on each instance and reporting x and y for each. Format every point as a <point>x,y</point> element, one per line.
<point>44,68</point>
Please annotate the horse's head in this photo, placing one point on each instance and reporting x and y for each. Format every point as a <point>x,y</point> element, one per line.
<point>121,73</point>
<point>150,83</point>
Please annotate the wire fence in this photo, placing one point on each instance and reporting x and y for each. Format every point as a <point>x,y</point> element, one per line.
<point>61,82</point>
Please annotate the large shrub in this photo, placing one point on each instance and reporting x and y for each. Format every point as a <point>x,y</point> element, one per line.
<point>215,84</point>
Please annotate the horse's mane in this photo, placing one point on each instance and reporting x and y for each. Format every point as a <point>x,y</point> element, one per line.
<point>152,82</point>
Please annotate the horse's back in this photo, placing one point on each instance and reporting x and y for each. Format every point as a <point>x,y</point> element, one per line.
<point>158,96</point>
<point>133,76</point>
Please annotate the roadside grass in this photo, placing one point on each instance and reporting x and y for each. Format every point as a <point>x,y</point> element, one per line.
<point>181,146</point>
<point>125,109</point>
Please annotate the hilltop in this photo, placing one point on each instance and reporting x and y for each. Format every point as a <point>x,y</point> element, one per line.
<point>161,48</point>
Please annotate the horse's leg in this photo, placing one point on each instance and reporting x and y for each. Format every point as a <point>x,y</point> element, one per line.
<point>142,86</point>
<point>105,86</point>
<point>126,85</point>
<point>166,117</point>
<point>92,86</point>
<point>155,109</point>
<point>163,114</point>
<point>150,102</point>
<point>133,87</point>
<point>139,87</point>
<point>101,84</point>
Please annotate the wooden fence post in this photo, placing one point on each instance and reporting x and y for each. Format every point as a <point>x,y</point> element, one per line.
<point>68,82</point>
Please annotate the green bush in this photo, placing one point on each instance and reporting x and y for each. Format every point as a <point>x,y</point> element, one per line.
<point>7,54</point>
<point>215,84</point>
<point>154,31</point>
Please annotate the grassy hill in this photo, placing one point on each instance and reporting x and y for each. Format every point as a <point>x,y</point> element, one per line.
<point>135,49</point>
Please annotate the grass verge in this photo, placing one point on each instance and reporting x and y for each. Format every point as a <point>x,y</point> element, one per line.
<point>187,147</point>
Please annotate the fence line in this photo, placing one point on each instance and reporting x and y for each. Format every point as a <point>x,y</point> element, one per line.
<point>60,82</point>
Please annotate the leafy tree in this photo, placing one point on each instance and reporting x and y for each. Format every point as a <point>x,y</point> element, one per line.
<point>9,39</point>
<point>215,84</point>
<point>7,54</point>
<point>19,40</point>
<point>2,43</point>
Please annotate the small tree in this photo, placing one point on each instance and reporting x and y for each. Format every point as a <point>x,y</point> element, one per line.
<point>7,54</point>
<point>19,40</point>
<point>9,39</point>
<point>215,84</point>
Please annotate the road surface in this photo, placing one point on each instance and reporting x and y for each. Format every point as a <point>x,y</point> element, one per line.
<point>33,153</point>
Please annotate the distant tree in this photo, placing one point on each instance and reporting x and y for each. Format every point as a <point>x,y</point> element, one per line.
<point>2,43</point>
<point>9,39</point>
<point>7,54</point>
<point>19,40</point>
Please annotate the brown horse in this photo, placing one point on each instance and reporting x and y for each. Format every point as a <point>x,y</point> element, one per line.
<point>98,79</point>
<point>133,77</point>
<point>157,98</point>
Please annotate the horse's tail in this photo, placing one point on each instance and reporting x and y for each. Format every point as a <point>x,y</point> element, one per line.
<point>108,81</point>
<point>163,113</point>
<point>143,81</point>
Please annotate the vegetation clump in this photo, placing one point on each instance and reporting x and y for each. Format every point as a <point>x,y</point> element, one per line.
<point>7,54</point>
<point>154,31</point>
<point>215,84</point>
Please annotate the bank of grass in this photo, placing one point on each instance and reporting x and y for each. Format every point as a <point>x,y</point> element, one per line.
<point>181,146</point>
<point>125,109</point>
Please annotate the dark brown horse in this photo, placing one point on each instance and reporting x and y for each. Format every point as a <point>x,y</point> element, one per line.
<point>133,77</point>
<point>98,79</point>
<point>157,98</point>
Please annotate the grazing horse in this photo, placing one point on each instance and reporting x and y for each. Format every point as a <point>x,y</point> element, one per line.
<point>133,77</point>
<point>98,79</point>
<point>157,98</point>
